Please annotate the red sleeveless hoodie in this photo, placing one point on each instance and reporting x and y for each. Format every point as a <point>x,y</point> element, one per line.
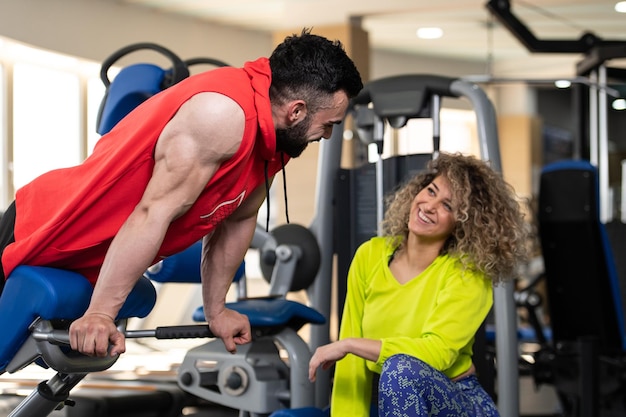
<point>67,218</point>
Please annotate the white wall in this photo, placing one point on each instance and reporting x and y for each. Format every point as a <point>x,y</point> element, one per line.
<point>94,29</point>
<point>386,63</point>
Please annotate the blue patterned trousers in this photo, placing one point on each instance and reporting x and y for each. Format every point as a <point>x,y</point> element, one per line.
<point>409,387</point>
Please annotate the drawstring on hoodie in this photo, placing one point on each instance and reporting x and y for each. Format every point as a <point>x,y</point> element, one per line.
<point>267,198</point>
<point>282,161</point>
<point>267,192</point>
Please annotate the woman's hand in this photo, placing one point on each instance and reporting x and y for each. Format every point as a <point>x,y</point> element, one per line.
<point>326,356</point>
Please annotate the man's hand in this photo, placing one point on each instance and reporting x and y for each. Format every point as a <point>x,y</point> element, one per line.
<point>94,333</point>
<point>232,327</point>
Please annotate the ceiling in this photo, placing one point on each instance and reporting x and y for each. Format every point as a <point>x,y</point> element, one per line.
<point>470,30</point>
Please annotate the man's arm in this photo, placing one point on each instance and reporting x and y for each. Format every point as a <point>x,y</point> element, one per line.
<point>206,131</point>
<point>222,254</point>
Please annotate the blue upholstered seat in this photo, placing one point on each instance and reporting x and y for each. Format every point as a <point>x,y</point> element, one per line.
<point>33,291</point>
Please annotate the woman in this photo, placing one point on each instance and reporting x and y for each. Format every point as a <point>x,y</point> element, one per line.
<point>418,294</point>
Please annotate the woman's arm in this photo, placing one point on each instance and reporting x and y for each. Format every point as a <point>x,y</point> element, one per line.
<point>352,383</point>
<point>326,356</point>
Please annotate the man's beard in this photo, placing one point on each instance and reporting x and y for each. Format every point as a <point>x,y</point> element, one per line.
<point>293,140</point>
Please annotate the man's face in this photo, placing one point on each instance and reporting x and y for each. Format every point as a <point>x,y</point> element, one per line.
<point>294,139</point>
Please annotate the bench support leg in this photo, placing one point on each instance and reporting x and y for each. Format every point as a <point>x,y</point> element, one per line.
<point>48,396</point>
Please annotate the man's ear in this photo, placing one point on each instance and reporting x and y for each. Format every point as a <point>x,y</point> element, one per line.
<point>297,110</point>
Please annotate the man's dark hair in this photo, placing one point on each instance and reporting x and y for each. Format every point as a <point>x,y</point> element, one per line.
<point>311,67</point>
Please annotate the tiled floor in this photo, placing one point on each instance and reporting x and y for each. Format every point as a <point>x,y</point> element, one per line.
<point>533,403</point>
<point>118,392</point>
<point>7,404</point>
<point>107,398</point>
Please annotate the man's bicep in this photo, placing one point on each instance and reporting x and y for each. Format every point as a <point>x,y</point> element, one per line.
<point>177,189</point>
<point>210,126</point>
<point>205,132</point>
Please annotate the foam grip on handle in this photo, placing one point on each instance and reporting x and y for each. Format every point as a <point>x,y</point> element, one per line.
<point>183,332</point>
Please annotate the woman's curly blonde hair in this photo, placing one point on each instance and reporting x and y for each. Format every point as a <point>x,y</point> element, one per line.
<point>490,234</point>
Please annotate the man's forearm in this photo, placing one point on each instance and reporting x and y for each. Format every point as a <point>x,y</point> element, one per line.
<point>222,255</point>
<point>131,252</point>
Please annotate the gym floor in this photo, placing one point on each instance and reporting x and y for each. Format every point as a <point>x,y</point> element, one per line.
<point>143,384</point>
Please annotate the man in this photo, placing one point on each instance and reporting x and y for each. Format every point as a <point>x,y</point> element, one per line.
<point>191,162</point>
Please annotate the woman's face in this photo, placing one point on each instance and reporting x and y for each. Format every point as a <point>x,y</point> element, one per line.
<point>432,214</point>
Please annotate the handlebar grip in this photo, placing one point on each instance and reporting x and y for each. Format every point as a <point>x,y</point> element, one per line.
<point>56,337</point>
<point>183,332</point>
<point>61,337</point>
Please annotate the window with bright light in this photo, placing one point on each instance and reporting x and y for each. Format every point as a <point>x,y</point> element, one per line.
<point>46,121</point>
<point>95,93</point>
<point>457,134</point>
<point>54,126</point>
<point>3,158</point>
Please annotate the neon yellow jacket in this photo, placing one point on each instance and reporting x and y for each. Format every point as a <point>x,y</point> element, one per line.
<point>432,317</point>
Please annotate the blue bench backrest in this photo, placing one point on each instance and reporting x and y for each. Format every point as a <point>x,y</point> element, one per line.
<point>184,267</point>
<point>583,286</point>
<point>132,86</point>
<point>136,83</point>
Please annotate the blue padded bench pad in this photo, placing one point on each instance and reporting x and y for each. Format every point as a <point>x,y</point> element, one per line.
<point>184,267</point>
<point>181,267</point>
<point>49,293</point>
<point>271,313</point>
<point>609,258</point>
<point>302,412</point>
<point>132,86</point>
<point>524,334</point>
